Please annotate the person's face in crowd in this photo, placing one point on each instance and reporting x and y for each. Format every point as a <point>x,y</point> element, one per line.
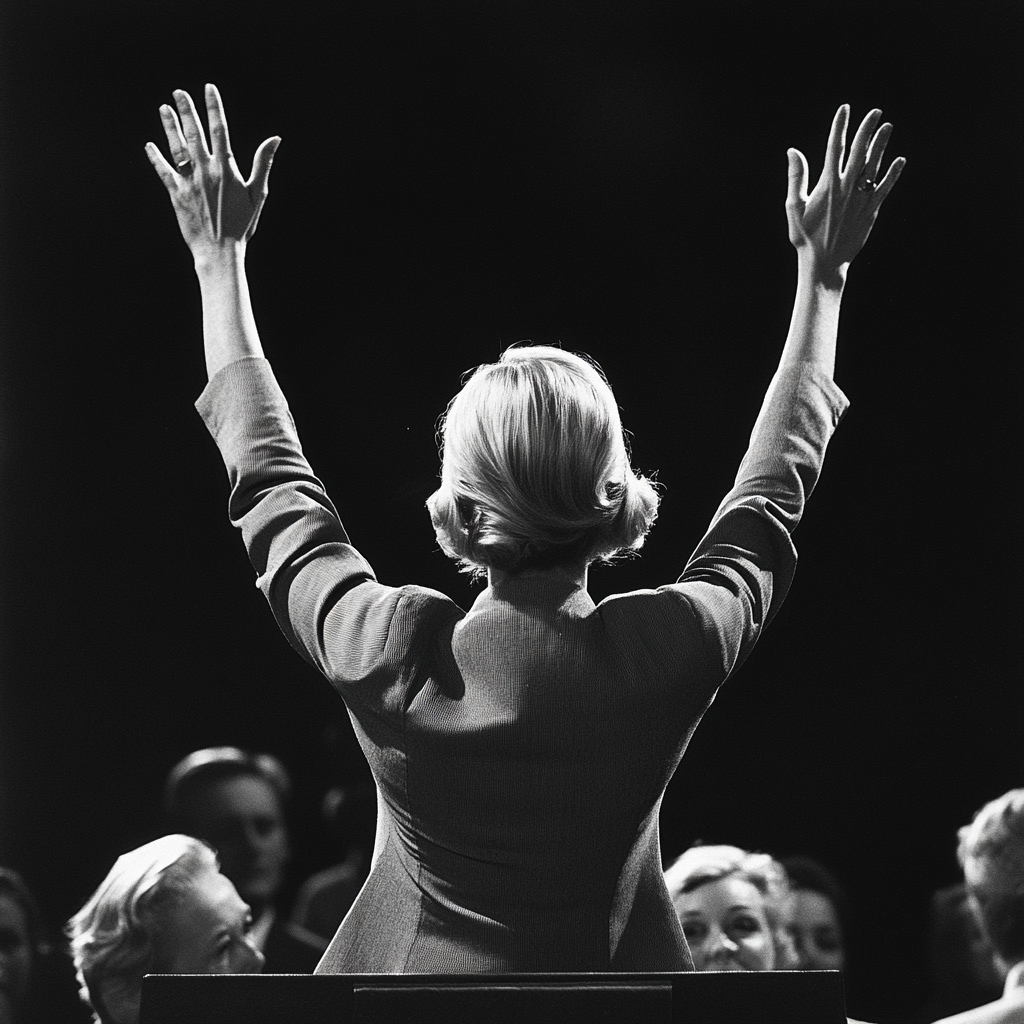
<point>726,927</point>
<point>15,957</point>
<point>207,931</point>
<point>814,926</point>
<point>242,819</point>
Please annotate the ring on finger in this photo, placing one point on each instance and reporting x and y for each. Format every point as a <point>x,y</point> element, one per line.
<point>867,185</point>
<point>184,166</point>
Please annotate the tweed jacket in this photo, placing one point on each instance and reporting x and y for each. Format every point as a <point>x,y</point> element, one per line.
<point>521,748</point>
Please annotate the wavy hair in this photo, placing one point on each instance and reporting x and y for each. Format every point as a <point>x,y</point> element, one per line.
<point>113,935</point>
<point>702,864</point>
<point>535,467</point>
<point>991,852</point>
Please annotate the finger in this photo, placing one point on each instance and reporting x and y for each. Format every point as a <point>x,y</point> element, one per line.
<point>175,140</point>
<point>890,179</point>
<point>860,142</point>
<point>261,163</point>
<point>837,140</point>
<point>162,167</point>
<point>797,179</point>
<point>876,150</point>
<point>190,126</point>
<point>219,141</point>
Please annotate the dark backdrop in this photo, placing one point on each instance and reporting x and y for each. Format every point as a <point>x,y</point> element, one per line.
<point>455,177</point>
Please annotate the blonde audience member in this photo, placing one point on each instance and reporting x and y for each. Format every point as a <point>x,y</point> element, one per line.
<point>991,853</point>
<point>164,908</point>
<point>732,907</point>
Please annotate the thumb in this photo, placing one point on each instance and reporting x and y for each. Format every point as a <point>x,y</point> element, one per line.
<point>797,179</point>
<point>261,165</point>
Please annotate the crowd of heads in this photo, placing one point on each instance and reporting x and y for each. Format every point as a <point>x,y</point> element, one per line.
<point>187,903</point>
<point>746,911</point>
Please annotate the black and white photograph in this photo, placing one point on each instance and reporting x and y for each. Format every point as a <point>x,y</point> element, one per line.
<point>511,488</point>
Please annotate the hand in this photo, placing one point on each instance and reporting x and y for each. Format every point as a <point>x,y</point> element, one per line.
<point>215,207</point>
<point>833,223</point>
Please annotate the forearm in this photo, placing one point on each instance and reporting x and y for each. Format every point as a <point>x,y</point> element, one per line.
<point>229,328</point>
<point>815,323</point>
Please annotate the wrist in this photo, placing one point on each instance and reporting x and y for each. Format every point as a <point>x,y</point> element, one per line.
<point>213,261</point>
<point>821,274</point>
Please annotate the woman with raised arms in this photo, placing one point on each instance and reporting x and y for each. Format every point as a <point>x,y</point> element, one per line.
<point>520,748</point>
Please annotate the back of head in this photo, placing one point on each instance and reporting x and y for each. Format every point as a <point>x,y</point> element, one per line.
<point>112,936</point>
<point>991,853</point>
<point>535,469</point>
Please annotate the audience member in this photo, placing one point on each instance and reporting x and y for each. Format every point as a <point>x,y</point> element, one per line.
<point>732,907</point>
<point>235,801</point>
<point>991,852</point>
<point>164,908</point>
<point>324,899</point>
<point>21,946</point>
<point>817,915</point>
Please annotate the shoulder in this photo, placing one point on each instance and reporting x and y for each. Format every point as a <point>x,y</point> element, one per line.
<point>420,611</point>
<point>660,620</point>
<point>667,606</point>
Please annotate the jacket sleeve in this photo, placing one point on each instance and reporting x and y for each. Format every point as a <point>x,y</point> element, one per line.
<point>320,589</point>
<point>740,572</point>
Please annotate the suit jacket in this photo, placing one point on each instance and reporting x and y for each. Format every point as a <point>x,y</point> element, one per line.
<point>521,749</point>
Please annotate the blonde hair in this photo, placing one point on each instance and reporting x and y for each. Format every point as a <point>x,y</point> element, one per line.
<point>991,852</point>
<point>702,864</point>
<point>535,467</point>
<point>112,936</point>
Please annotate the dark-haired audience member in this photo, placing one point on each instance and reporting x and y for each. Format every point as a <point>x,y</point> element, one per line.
<point>732,906</point>
<point>235,801</point>
<point>991,852</point>
<point>817,915</point>
<point>21,945</point>
<point>163,908</point>
<point>324,899</point>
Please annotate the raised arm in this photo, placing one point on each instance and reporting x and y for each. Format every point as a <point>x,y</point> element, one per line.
<point>217,212</point>
<point>828,229</point>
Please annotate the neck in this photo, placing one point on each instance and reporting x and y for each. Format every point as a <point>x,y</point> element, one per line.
<point>573,573</point>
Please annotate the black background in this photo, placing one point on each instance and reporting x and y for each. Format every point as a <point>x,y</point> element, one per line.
<point>455,177</point>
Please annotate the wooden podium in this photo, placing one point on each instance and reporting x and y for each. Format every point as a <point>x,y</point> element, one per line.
<point>771,997</point>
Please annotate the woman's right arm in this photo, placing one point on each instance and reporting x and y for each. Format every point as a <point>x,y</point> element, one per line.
<point>828,229</point>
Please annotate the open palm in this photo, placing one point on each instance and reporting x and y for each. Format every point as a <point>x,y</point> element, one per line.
<point>834,221</point>
<point>215,207</point>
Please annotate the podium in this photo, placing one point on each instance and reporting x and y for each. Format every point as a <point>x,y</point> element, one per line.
<point>770,997</point>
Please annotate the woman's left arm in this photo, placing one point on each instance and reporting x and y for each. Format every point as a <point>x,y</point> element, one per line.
<point>217,213</point>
